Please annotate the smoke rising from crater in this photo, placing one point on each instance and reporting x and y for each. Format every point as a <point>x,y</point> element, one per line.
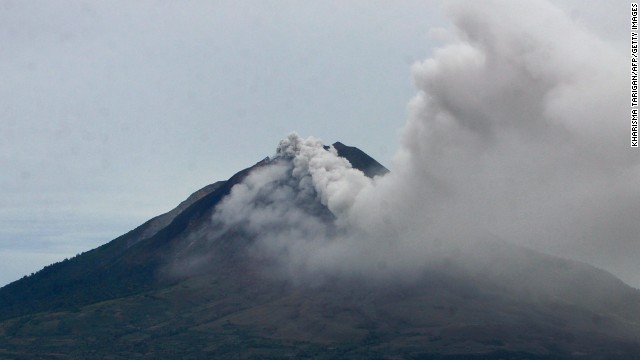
<point>518,132</point>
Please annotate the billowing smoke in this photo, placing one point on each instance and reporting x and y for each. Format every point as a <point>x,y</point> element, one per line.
<point>518,133</point>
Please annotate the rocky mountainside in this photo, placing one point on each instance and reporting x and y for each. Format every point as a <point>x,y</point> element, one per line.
<point>173,288</point>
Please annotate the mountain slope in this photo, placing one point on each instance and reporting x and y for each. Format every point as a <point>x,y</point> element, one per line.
<point>131,262</point>
<point>145,295</point>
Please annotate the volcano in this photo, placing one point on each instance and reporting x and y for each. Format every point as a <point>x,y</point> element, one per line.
<point>181,286</point>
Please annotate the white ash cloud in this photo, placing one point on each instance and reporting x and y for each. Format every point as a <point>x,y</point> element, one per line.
<point>330,176</point>
<point>518,132</point>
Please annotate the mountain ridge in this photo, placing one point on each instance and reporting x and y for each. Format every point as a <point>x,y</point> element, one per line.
<point>137,297</point>
<point>164,228</point>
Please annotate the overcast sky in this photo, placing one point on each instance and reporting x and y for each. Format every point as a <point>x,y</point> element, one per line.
<point>114,112</point>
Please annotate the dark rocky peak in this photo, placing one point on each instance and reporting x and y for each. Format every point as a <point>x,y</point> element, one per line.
<point>360,160</point>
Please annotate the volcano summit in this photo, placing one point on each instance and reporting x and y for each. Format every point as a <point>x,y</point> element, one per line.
<point>278,262</point>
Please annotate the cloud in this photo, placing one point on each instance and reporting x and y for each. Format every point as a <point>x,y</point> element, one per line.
<point>523,122</point>
<point>518,132</point>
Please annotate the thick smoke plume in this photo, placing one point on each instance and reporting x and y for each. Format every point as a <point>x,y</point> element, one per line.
<point>518,133</point>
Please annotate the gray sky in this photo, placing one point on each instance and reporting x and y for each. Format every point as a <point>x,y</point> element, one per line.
<point>114,112</point>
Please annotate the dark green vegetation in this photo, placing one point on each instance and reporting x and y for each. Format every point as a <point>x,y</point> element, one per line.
<point>137,297</point>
